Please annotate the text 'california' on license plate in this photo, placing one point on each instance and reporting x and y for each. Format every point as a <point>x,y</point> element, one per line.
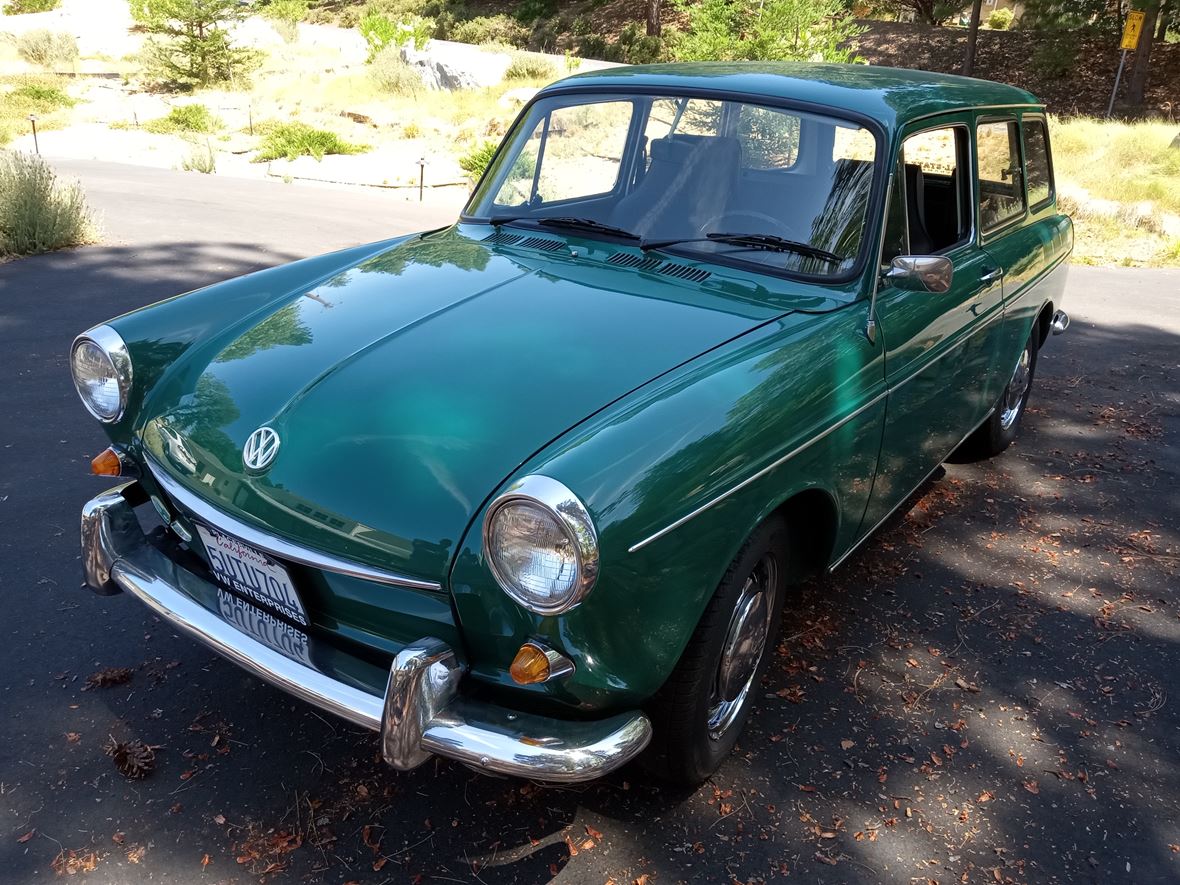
<point>252,573</point>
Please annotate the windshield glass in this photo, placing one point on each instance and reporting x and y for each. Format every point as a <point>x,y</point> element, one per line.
<point>781,188</point>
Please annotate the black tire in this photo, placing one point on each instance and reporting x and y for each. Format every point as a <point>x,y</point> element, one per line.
<point>1003,425</point>
<point>683,749</point>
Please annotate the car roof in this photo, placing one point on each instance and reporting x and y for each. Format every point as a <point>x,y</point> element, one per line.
<point>891,96</point>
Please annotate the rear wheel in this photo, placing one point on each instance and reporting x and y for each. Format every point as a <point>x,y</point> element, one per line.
<point>699,712</point>
<point>1003,425</point>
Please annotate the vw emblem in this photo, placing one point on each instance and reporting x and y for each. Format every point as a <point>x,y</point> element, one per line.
<point>261,447</point>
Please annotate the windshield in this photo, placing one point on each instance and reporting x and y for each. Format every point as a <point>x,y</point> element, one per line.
<point>780,188</point>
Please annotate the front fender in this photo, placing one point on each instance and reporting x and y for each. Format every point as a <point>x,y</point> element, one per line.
<point>788,407</point>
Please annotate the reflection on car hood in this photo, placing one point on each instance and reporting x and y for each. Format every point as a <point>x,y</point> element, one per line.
<point>405,389</point>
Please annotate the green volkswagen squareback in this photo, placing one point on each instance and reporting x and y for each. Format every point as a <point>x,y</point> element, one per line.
<point>530,491</point>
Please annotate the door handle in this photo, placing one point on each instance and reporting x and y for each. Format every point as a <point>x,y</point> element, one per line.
<point>992,275</point>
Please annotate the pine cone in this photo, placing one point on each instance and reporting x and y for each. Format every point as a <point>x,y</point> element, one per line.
<point>134,759</point>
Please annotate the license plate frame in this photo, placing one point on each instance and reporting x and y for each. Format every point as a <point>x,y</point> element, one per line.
<point>249,572</point>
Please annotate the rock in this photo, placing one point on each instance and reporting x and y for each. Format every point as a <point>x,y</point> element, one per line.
<point>445,65</point>
<point>363,119</point>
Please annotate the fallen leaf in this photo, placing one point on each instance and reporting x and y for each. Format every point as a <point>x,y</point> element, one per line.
<point>73,737</point>
<point>593,833</point>
<point>185,775</point>
<point>986,796</point>
<point>118,838</point>
<point>847,744</point>
<point>135,855</point>
<point>205,861</point>
<point>379,863</point>
<point>807,788</point>
<point>965,685</point>
<point>107,677</point>
<point>26,837</point>
<point>1032,787</point>
<point>219,819</point>
<point>823,858</point>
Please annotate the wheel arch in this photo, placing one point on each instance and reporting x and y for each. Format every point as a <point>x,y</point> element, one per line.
<point>812,516</point>
<point>1044,323</point>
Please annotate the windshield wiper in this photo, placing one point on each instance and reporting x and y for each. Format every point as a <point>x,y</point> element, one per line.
<point>586,224</point>
<point>751,241</point>
<point>566,221</point>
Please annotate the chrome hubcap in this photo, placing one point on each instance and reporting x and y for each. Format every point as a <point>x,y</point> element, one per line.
<point>1016,390</point>
<point>745,643</point>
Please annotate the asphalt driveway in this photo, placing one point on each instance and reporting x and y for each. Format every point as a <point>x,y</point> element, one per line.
<point>984,693</point>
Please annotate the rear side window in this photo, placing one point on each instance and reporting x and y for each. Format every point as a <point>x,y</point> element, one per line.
<point>1001,192</point>
<point>1036,162</point>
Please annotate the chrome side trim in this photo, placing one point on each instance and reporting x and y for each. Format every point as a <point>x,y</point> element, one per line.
<point>281,548</point>
<point>996,313</point>
<point>421,713</point>
<point>761,473</point>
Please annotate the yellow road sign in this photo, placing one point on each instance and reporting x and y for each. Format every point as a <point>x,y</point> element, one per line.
<point>1132,30</point>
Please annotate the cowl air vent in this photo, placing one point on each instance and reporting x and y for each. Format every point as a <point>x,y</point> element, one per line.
<point>499,238</point>
<point>543,243</point>
<point>628,259</point>
<point>656,265</point>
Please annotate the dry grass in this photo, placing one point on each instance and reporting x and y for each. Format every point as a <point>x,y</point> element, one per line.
<point>1121,184</point>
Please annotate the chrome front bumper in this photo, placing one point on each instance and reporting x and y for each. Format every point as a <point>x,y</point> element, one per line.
<point>421,713</point>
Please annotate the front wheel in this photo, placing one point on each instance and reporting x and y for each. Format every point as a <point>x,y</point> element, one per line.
<point>699,713</point>
<point>1002,426</point>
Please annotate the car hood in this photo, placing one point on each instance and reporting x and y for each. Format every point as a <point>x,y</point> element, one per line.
<point>406,389</point>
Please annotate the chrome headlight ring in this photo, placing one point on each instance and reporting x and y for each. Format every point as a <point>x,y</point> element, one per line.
<point>554,500</point>
<point>105,344</point>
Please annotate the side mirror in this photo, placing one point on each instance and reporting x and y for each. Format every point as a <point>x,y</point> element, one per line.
<point>921,273</point>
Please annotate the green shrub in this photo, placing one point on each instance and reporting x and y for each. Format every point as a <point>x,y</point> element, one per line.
<point>289,141</point>
<point>414,29</point>
<point>530,10</point>
<point>37,212</point>
<point>475,161</point>
<point>1000,19</point>
<point>21,7</point>
<point>491,29</point>
<point>47,49</point>
<point>286,15</point>
<point>48,97</point>
<point>185,118</point>
<point>201,159</point>
<point>530,67</point>
<point>1055,59</point>
<point>379,32</point>
<point>769,30</point>
<point>392,75</point>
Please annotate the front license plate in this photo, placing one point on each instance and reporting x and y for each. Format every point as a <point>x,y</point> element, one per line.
<point>252,573</point>
<point>265,627</point>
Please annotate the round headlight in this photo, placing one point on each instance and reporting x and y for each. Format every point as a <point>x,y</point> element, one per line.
<point>541,545</point>
<point>101,368</point>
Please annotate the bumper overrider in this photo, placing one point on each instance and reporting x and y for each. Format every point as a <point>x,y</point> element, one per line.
<point>422,712</point>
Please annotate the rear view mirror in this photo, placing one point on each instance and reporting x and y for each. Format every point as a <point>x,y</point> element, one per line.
<point>921,273</point>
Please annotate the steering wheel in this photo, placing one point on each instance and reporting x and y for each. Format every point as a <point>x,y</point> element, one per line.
<point>715,223</point>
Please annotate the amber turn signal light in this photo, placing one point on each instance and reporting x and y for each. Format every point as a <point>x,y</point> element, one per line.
<point>530,665</point>
<point>107,463</point>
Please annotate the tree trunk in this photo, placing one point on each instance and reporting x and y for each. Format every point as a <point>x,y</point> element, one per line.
<point>1161,25</point>
<point>972,38</point>
<point>1141,67</point>
<point>654,25</point>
